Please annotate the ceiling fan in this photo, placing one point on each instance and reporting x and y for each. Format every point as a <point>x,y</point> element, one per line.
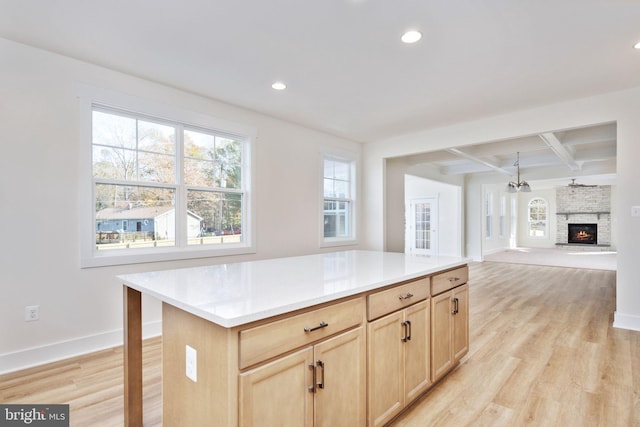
<point>574,184</point>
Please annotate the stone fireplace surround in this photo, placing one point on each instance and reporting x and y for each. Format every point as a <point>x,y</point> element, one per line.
<point>584,205</point>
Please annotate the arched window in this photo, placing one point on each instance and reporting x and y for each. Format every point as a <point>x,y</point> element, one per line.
<point>538,213</point>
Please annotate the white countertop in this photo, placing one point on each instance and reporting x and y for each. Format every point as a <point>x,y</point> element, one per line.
<point>238,293</point>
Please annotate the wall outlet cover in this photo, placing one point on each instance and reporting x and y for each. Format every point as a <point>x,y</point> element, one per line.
<point>192,363</point>
<point>31,313</point>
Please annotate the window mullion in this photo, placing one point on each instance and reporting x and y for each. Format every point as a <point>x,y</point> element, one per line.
<point>181,196</point>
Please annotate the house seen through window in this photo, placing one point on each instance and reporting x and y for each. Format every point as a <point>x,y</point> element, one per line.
<point>163,184</point>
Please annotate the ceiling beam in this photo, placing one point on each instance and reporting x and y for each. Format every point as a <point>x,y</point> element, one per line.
<point>475,159</point>
<point>560,150</point>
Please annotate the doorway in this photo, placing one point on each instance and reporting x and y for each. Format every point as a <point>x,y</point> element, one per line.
<point>423,237</point>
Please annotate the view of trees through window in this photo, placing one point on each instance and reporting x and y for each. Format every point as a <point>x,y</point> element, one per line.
<point>537,218</point>
<point>160,183</point>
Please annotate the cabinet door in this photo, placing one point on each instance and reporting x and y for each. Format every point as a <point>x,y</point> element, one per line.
<point>441,335</point>
<point>461,322</point>
<point>340,398</point>
<point>417,351</point>
<point>385,367</point>
<point>277,394</point>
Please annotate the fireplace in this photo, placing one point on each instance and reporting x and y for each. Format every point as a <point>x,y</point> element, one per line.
<point>584,234</point>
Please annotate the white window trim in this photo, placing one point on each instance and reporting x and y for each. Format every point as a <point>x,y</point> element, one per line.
<point>489,216</point>
<point>502,218</point>
<point>89,256</point>
<point>546,221</point>
<point>328,242</point>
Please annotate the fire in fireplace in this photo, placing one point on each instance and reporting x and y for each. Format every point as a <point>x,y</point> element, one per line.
<point>586,234</point>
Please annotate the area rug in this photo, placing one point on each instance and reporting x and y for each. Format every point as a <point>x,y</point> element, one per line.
<point>560,257</point>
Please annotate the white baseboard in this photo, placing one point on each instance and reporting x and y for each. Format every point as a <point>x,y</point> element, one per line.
<point>35,356</point>
<point>626,321</point>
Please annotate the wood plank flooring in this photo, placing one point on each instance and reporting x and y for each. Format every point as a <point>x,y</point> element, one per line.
<point>542,353</point>
<point>92,385</point>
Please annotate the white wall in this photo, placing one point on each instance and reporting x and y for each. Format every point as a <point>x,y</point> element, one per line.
<point>393,186</point>
<point>449,214</point>
<point>81,309</point>
<point>621,107</point>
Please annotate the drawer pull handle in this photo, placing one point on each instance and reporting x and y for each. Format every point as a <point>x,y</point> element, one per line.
<point>407,296</point>
<point>315,328</point>
<point>454,279</point>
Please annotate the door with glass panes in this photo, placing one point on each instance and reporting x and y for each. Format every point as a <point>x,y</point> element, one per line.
<point>422,223</point>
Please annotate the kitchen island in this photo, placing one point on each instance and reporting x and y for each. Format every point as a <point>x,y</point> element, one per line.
<point>292,341</point>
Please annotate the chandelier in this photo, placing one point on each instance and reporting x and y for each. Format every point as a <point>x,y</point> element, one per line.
<point>523,185</point>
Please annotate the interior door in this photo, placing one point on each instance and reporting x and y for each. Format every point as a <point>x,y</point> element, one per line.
<point>423,221</point>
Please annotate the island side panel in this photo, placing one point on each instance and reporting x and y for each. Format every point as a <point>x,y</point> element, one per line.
<point>212,400</point>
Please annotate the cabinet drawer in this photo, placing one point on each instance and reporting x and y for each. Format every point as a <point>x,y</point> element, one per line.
<point>393,299</point>
<point>271,339</point>
<point>444,281</point>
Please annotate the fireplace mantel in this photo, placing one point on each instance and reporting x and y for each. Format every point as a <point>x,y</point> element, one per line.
<point>566,214</point>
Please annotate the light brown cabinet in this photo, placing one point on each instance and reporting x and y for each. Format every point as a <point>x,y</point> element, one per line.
<point>320,385</point>
<point>275,394</point>
<point>398,356</point>
<point>449,321</point>
<point>355,361</point>
<point>398,370</point>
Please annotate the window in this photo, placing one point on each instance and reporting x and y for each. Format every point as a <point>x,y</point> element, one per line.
<point>513,219</point>
<point>503,216</point>
<point>489,216</point>
<point>164,189</point>
<point>338,200</point>
<point>537,218</point>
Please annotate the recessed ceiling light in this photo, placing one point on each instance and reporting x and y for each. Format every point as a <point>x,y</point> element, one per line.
<point>279,86</point>
<point>637,45</point>
<point>411,36</point>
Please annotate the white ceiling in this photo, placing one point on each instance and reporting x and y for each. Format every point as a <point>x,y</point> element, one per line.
<point>347,71</point>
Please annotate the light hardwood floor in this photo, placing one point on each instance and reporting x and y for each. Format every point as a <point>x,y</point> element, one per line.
<point>542,353</point>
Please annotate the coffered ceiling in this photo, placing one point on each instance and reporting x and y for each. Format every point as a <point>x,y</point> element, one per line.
<point>553,156</point>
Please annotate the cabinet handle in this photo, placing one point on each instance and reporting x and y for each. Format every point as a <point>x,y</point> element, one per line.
<point>407,296</point>
<point>312,389</point>
<point>454,279</point>
<point>408,322</point>
<point>455,306</point>
<point>405,327</point>
<point>320,364</point>
<point>315,328</point>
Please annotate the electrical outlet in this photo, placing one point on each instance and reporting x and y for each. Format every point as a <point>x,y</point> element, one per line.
<point>192,364</point>
<point>31,313</point>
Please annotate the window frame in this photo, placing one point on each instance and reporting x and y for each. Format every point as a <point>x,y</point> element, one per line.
<point>502,219</point>
<point>546,220</point>
<point>106,100</point>
<point>352,161</point>
<point>489,208</point>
